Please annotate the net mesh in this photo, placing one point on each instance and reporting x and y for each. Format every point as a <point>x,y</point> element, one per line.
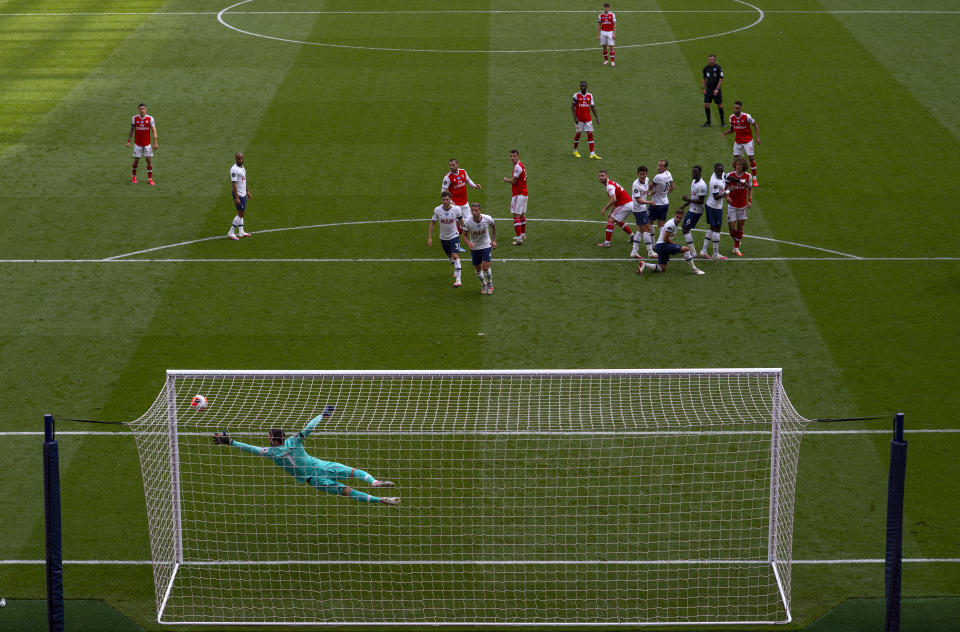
<point>540,497</point>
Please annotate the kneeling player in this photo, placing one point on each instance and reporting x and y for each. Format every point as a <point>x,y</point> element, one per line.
<point>665,247</point>
<point>481,235</point>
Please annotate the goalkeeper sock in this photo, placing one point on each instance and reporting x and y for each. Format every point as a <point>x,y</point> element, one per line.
<point>362,497</point>
<point>363,476</point>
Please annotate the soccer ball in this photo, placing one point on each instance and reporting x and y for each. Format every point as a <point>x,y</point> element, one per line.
<point>199,402</point>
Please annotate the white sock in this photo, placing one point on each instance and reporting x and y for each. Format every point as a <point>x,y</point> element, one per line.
<point>456,268</point>
<point>634,244</point>
<point>651,266</point>
<point>648,241</point>
<point>483,281</point>
<point>707,239</point>
<point>716,243</point>
<point>240,229</point>
<point>237,222</point>
<point>693,248</point>
<point>489,274</point>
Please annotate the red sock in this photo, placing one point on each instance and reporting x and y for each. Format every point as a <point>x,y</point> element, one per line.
<point>134,169</point>
<point>609,231</point>
<point>516,225</point>
<point>590,141</point>
<point>604,54</point>
<point>611,53</point>
<point>625,228</point>
<point>753,167</point>
<point>576,140</point>
<point>149,173</point>
<point>523,226</point>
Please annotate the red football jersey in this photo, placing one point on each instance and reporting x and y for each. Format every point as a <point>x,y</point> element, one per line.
<point>741,127</point>
<point>583,101</point>
<point>141,129</point>
<point>739,188</point>
<point>456,184</point>
<point>607,20</point>
<point>520,187</point>
<point>622,196</point>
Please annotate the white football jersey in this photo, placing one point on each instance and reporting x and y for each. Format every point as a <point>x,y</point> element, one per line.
<point>698,189</point>
<point>239,175</point>
<point>640,193</point>
<point>717,187</point>
<point>479,231</point>
<point>447,218</point>
<point>661,185</point>
<point>669,228</point>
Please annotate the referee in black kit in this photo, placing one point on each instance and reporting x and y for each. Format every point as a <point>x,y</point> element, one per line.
<point>712,80</point>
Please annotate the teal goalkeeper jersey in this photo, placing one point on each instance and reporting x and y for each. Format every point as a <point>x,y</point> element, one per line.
<point>291,456</point>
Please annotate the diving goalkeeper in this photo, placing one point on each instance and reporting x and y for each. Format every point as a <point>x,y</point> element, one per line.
<point>289,455</point>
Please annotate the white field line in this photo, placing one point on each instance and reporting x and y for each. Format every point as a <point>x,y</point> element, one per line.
<point>228,10</point>
<point>471,11</point>
<point>498,260</point>
<point>135,253</point>
<point>124,433</point>
<point>913,560</point>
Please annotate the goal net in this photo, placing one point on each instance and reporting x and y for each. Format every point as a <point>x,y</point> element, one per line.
<point>551,497</point>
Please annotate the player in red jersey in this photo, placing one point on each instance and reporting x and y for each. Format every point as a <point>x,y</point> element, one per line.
<point>619,203</point>
<point>518,201</point>
<point>743,139</point>
<point>456,182</point>
<point>607,32</point>
<point>582,106</point>
<point>739,199</point>
<point>142,125</point>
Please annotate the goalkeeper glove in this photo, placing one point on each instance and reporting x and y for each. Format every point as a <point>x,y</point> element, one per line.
<point>221,438</point>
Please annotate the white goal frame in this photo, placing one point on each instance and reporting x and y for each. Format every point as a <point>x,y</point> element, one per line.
<point>775,421</point>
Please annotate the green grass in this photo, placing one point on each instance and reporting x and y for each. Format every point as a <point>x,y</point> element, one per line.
<point>857,154</point>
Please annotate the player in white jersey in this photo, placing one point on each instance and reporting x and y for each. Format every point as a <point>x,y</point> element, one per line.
<point>481,236</point>
<point>694,203</point>
<point>640,213</point>
<point>450,218</point>
<point>660,191</point>
<point>241,193</point>
<point>716,193</point>
<point>666,247</point>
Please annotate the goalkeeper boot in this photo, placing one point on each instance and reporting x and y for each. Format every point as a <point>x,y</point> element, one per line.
<point>382,484</point>
<point>328,410</point>
<point>387,500</point>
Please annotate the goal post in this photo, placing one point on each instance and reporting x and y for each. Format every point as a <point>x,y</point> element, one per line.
<point>555,497</point>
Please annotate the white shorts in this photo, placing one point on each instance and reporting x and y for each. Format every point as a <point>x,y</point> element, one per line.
<point>465,209</point>
<point>735,214</point>
<point>518,204</point>
<point>584,126</point>
<point>606,38</point>
<point>743,149</point>
<point>139,151</point>
<point>620,213</point>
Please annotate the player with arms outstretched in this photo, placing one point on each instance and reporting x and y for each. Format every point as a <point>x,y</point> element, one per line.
<point>456,182</point>
<point>582,106</point>
<point>289,455</point>
<point>141,126</point>
<point>450,218</point>
<point>619,205</point>
<point>739,199</point>
<point>519,197</point>
<point>665,247</point>
<point>607,32</point>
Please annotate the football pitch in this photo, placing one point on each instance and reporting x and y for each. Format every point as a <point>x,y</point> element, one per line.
<point>347,114</point>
